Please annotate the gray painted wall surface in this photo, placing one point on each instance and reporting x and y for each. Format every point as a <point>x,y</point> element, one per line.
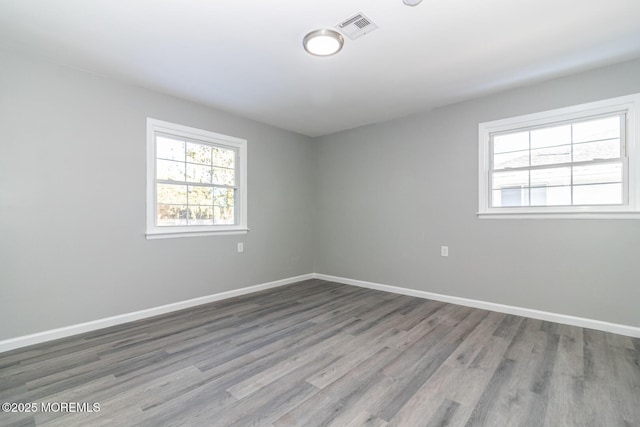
<point>72,202</point>
<point>389,195</point>
<point>72,207</point>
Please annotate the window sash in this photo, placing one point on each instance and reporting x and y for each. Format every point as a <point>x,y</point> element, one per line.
<point>621,159</point>
<point>189,184</point>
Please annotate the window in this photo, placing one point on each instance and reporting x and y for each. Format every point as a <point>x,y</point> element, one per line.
<point>581,161</point>
<point>196,182</point>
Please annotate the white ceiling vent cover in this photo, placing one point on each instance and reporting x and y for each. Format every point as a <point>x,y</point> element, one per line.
<point>356,26</point>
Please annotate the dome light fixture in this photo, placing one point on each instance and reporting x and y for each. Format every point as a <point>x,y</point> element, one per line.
<point>411,2</point>
<point>323,42</point>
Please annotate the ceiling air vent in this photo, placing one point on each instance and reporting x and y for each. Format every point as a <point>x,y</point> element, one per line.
<point>356,26</point>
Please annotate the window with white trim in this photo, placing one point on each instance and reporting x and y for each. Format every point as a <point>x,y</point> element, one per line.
<point>196,181</point>
<point>580,161</point>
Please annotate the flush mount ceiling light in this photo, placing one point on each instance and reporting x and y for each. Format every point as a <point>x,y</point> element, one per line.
<point>411,2</point>
<point>323,42</point>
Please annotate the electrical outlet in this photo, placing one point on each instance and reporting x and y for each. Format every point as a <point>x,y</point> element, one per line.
<point>240,247</point>
<point>444,250</point>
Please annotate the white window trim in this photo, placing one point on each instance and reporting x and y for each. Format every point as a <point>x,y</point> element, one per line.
<point>155,232</point>
<point>629,104</point>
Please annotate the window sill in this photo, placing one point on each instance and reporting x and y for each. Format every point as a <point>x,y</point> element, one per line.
<point>196,233</point>
<point>559,215</point>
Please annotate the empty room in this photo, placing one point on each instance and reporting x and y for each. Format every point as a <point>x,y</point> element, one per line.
<point>320,213</point>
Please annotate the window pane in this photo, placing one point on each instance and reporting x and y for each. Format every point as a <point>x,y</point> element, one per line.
<point>549,137</point>
<point>201,215</point>
<point>224,176</point>
<point>223,157</point>
<point>198,153</point>
<point>607,149</point>
<point>171,215</point>
<point>167,169</point>
<point>169,148</point>
<point>551,155</point>
<point>509,197</point>
<point>603,194</point>
<point>197,173</point>
<point>223,215</point>
<point>551,196</point>
<point>172,194</point>
<point>595,174</point>
<point>514,159</point>
<point>510,179</point>
<point>538,196</point>
<point>224,196</point>
<point>551,177</point>
<point>510,142</point>
<point>598,129</point>
<point>200,195</point>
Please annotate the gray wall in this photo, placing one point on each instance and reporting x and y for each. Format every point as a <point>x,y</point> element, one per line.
<point>389,195</point>
<point>72,202</point>
<point>72,207</point>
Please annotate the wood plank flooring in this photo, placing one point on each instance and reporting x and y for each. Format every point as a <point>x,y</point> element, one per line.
<point>319,353</point>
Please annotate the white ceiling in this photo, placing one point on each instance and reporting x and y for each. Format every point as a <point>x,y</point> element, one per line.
<point>246,56</point>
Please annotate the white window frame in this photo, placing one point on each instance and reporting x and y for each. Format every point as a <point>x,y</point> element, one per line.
<point>630,209</point>
<point>154,231</point>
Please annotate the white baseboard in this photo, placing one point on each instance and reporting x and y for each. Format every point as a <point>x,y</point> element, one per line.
<point>632,331</point>
<point>40,337</point>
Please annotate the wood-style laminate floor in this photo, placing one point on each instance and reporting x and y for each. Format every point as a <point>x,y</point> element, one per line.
<point>321,353</point>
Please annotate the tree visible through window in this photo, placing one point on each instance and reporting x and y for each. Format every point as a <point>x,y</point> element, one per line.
<point>195,183</point>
